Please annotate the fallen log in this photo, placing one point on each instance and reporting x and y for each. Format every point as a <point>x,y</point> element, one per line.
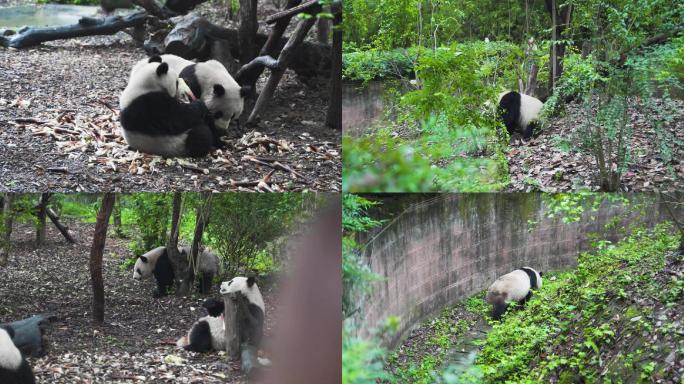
<point>62,228</point>
<point>309,59</point>
<point>28,334</point>
<point>86,26</point>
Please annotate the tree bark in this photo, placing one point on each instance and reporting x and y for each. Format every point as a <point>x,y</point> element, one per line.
<point>334,117</point>
<point>42,215</point>
<point>232,325</point>
<point>96,250</point>
<point>178,261</point>
<point>248,30</point>
<point>557,50</point>
<point>323,30</point>
<point>63,229</point>
<point>283,61</point>
<point>117,214</point>
<point>87,26</point>
<point>7,228</point>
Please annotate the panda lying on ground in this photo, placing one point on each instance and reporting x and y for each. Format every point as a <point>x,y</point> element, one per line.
<point>519,112</point>
<point>514,286</point>
<point>209,332</point>
<point>156,262</point>
<point>155,121</point>
<point>14,368</point>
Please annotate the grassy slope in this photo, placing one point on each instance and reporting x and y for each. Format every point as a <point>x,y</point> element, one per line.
<point>619,317</point>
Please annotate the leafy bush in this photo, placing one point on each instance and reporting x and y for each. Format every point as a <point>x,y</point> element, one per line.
<point>376,64</point>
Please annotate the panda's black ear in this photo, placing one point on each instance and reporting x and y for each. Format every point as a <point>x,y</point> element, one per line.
<point>541,273</point>
<point>162,69</point>
<point>219,90</point>
<point>245,90</point>
<point>250,281</point>
<point>10,330</point>
<point>143,258</point>
<point>155,59</point>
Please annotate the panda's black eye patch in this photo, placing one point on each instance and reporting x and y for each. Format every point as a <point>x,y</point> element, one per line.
<point>162,69</point>
<point>219,90</point>
<point>218,115</point>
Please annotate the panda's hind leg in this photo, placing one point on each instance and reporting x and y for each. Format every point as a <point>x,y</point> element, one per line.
<point>199,141</point>
<point>200,338</point>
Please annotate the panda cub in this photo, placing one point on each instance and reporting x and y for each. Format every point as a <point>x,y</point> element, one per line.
<point>13,366</point>
<point>209,332</point>
<point>519,112</point>
<point>514,286</point>
<point>211,82</point>
<point>155,262</point>
<point>252,323</point>
<point>155,121</point>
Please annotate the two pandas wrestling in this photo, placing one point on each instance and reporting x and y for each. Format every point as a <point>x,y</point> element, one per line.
<point>174,107</point>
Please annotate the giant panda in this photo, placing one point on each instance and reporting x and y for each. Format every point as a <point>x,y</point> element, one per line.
<point>207,333</point>
<point>13,366</point>
<point>252,323</point>
<point>514,286</point>
<point>155,121</point>
<point>211,82</point>
<point>155,262</point>
<point>519,112</point>
<point>208,267</point>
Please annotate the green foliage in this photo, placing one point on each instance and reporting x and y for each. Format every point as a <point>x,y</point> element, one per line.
<point>563,331</point>
<point>378,64</point>
<point>151,213</point>
<point>242,227</point>
<point>73,2</point>
<point>356,274</point>
<point>362,359</point>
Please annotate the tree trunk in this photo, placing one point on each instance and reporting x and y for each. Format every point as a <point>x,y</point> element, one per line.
<point>96,251</point>
<point>7,228</point>
<point>248,30</point>
<point>284,59</point>
<point>117,215</point>
<point>232,325</point>
<point>558,24</point>
<point>201,222</point>
<point>334,117</point>
<point>42,215</point>
<point>178,261</point>
<point>323,30</point>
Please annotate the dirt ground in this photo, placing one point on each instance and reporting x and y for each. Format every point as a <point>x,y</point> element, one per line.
<point>550,162</point>
<point>138,330</point>
<point>59,128</point>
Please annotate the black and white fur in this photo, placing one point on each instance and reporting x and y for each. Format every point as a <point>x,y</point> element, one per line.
<point>211,82</point>
<point>155,262</point>
<point>208,333</point>
<point>519,112</point>
<point>155,121</point>
<point>252,323</point>
<point>14,368</point>
<point>514,286</point>
<point>208,267</point>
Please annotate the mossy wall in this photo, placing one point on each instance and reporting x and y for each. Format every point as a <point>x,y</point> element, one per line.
<point>444,248</point>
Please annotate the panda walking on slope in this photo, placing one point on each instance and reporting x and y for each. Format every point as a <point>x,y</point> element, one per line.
<point>514,286</point>
<point>519,112</point>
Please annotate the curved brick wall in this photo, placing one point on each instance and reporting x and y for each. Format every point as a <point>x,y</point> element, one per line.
<point>448,247</point>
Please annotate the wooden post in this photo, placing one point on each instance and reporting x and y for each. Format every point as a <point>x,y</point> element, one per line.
<point>248,30</point>
<point>63,229</point>
<point>284,59</point>
<point>231,316</point>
